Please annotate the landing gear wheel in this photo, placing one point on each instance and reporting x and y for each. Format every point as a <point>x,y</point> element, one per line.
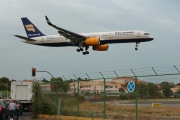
<point>136,49</point>
<point>81,49</point>
<point>84,53</point>
<point>78,50</point>
<point>87,52</point>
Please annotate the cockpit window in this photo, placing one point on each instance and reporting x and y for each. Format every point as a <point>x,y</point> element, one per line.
<point>146,34</point>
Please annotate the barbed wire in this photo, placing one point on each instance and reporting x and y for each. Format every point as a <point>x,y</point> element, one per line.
<point>139,72</point>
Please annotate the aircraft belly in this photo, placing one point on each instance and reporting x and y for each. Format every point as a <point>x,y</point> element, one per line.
<point>124,40</point>
<point>56,44</point>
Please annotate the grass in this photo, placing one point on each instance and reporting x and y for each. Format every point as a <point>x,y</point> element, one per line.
<point>120,111</point>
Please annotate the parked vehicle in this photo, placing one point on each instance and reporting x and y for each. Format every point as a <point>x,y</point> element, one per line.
<point>1,113</point>
<point>3,110</point>
<point>7,101</point>
<point>22,91</point>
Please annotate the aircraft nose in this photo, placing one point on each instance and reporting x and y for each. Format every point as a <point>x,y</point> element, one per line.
<point>152,38</point>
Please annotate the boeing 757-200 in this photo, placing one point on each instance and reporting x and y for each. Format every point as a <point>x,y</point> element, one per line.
<point>98,40</point>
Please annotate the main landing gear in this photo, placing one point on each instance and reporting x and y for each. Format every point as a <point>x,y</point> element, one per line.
<point>136,48</point>
<point>81,49</point>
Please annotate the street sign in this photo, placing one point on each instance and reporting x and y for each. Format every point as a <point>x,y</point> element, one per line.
<point>130,86</point>
<point>156,104</point>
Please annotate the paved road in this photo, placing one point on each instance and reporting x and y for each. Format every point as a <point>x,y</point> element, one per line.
<point>26,116</point>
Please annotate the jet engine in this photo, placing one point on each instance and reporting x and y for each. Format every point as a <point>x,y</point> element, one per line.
<point>101,47</point>
<point>92,41</point>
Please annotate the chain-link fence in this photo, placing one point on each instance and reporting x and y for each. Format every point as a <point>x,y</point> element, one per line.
<point>101,88</point>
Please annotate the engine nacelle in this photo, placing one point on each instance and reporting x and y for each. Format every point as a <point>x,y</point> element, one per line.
<point>101,47</point>
<point>92,41</point>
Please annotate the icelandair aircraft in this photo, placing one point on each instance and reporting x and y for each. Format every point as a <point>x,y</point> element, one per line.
<point>99,40</point>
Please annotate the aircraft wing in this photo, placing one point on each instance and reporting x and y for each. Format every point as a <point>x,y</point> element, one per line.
<point>74,37</point>
<point>25,38</point>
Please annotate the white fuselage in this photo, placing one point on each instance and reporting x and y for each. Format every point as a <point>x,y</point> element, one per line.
<point>105,38</point>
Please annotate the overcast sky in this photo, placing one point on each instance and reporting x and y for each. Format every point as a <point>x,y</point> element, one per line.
<point>160,18</point>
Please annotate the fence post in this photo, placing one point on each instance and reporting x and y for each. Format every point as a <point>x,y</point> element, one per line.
<point>136,94</point>
<point>78,94</point>
<point>104,96</point>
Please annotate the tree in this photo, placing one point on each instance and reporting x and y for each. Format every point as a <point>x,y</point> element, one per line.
<point>2,87</point>
<point>58,79</point>
<point>166,89</point>
<point>4,80</point>
<point>64,85</point>
<point>44,80</point>
<point>178,84</point>
<point>121,90</point>
<point>172,85</point>
<point>152,90</point>
<point>143,90</point>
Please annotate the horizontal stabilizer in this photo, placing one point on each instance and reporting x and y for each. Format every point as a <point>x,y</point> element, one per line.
<point>25,38</point>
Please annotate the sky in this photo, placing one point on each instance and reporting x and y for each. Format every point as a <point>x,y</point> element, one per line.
<point>159,18</point>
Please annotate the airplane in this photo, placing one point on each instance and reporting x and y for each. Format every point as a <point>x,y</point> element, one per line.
<point>97,40</point>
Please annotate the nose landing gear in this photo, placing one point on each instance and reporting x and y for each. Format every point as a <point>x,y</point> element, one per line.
<point>136,48</point>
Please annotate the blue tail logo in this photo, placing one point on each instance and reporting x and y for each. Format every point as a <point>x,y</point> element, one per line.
<point>31,29</point>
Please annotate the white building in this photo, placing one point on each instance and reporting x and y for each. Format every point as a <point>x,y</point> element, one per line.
<point>95,86</point>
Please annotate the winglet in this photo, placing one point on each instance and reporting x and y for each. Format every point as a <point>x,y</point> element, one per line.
<point>48,21</point>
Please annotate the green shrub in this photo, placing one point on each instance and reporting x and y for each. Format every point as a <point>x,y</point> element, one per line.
<point>81,97</point>
<point>127,96</point>
<point>87,93</point>
<point>68,102</point>
<point>42,104</point>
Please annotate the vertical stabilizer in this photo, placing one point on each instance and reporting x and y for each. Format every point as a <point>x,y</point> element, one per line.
<point>31,29</point>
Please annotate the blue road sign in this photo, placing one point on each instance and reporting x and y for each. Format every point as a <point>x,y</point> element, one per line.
<point>131,86</point>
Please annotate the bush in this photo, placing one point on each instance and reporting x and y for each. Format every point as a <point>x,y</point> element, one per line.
<point>126,96</point>
<point>87,93</point>
<point>81,97</point>
<point>68,102</point>
<point>42,104</point>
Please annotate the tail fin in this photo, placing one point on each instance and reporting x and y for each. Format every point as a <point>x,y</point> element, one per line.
<point>31,29</point>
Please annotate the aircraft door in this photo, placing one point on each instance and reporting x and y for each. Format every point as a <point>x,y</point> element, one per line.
<point>138,34</point>
<point>110,35</point>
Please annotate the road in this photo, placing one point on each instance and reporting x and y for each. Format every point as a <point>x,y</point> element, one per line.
<point>147,102</point>
<point>26,116</point>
